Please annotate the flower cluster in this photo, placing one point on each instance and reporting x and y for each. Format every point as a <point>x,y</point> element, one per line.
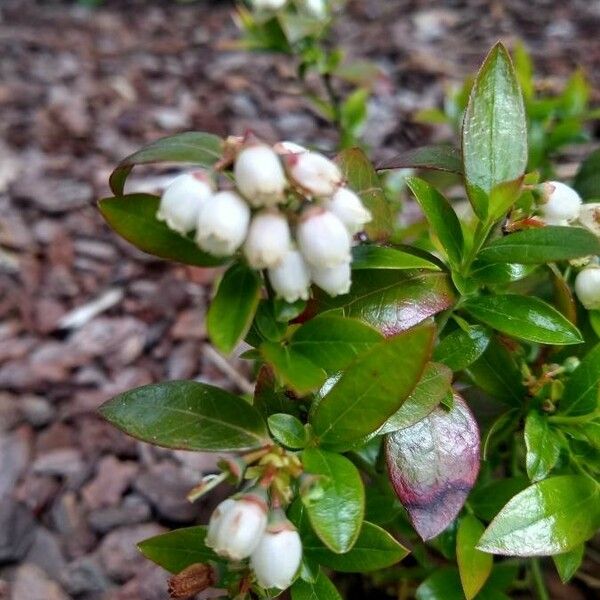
<point>290,214</point>
<point>316,9</point>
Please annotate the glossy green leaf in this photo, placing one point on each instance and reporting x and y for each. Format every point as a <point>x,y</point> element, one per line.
<point>550,517</point>
<point>288,430</point>
<point>503,196</point>
<point>441,217</point>
<point>443,584</point>
<point>333,342</point>
<point>363,179</point>
<point>568,563</point>
<point>462,347</point>
<point>133,217</point>
<point>321,589</point>
<point>542,245</point>
<point>587,180</point>
<point>543,446</point>
<point>202,149</point>
<point>494,136</point>
<point>474,566</point>
<point>176,550</point>
<point>372,389</point>
<point>438,158</point>
<point>187,415</point>
<point>367,256</point>
<point>500,273</point>
<point>232,309</point>
<point>336,515</point>
<point>582,391</point>
<point>524,317</point>
<point>487,500</point>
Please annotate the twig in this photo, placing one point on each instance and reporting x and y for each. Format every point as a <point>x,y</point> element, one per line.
<point>86,312</point>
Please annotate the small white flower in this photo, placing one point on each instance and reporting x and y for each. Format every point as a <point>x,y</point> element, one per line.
<point>291,278</point>
<point>277,557</point>
<point>560,203</point>
<point>589,217</point>
<point>182,199</point>
<point>268,4</point>
<point>315,8</point>
<point>587,287</point>
<point>349,209</point>
<point>333,280</point>
<point>223,224</point>
<point>286,147</point>
<point>259,176</point>
<point>313,173</point>
<point>323,239</point>
<point>237,526</point>
<point>268,239</point>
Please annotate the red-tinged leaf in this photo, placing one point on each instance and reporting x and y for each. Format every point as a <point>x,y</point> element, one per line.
<point>433,466</point>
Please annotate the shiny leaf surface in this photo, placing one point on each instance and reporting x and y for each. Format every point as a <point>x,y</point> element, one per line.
<point>543,446</point>
<point>288,430</point>
<point>368,256</point>
<point>438,158</point>
<point>462,347</point>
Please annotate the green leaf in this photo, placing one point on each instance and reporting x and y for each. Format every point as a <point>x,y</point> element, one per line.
<point>587,180</point>
<point>438,158</point>
<point>133,217</point>
<point>363,179</point>
<point>432,387</point>
<point>582,391</point>
<point>568,563</point>
<point>494,136</point>
<point>487,500</point>
<point>176,550</point>
<point>550,517</point>
<point>503,196</point>
<point>474,566</point>
<point>292,368</point>
<point>462,347</point>
<point>543,447</point>
<point>269,398</point>
<point>231,312</point>
<point>368,256</point>
<point>333,342</point>
<point>288,430</point>
<point>524,317</point>
<point>374,549</point>
<point>441,217</point>
<point>372,389</point>
<point>202,149</point>
<point>321,589</point>
<point>187,415</point>
<point>337,514</point>
<point>542,245</point>
<point>499,273</point>
<point>444,584</point>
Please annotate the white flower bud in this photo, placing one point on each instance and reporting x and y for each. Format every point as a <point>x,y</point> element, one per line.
<point>268,4</point>
<point>314,173</point>
<point>333,280</point>
<point>589,217</point>
<point>560,203</point>
<point>259,176</point>
<point>349,209</point>
<point>223,224</point>
<point>315,8</point>
<point>236,526</point>
<point>182,199</point>
<point>291,278</point>
<point>268,239</point>
<point>277,557</point>
<point>587,287</point>
<point>323,239</point>
<point>286,147</point>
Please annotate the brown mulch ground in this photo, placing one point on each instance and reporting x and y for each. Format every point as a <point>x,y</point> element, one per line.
<point>81,88</point>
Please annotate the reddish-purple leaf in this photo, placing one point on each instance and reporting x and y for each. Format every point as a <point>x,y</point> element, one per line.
<point>433,466</point>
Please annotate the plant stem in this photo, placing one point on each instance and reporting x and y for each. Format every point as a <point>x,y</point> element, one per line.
<point>538,580</point>
<point>334,99</point>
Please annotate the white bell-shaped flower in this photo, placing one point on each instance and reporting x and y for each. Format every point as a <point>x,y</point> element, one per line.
<point>223,224</point>
<point>259,175</point>
<point>589,217</point>
<point>291,278</point>
<point>277,557</point>
<point>268,4</point>
<point>237,526</point>
<point>182,200</point>
<point>560,203</point>
<point>334,280</point>
<point>323,239</point>
<point>268,239</point>
<point>587,287</point>
<point>349,209</point>
<point>315,174</point>
<point>286,147</point>
<point>315,8</point>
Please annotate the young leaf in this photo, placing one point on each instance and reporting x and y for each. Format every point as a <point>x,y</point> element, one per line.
<point>582,391</point>
<point>320,589</point>
<point>133,217</point>
<point>587,180</point>
<point>372,389</point>
<point>543,447</point>
<point>524,317</point>
<point>438,158</point>
<point>187,415</point>
<point>494,137</point>
<point>288,430</point>
<point>441,217</point>
<point>370,256</point>
<point>550,517</point>
<point>433,465</point>
<point>474,566</point>
<point>568,563</point>
<point>337,514</point>
<point>462,347</point>
<point>231,312</point>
